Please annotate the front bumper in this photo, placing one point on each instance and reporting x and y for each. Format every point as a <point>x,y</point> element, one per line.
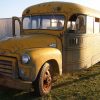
<point>15,83</point>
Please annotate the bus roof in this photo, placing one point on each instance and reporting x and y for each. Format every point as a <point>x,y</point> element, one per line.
<point>60,7</point>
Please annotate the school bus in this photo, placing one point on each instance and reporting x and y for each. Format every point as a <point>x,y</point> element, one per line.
<point>55,37</point>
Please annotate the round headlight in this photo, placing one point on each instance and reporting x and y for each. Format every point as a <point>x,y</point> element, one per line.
<point>25,58</point>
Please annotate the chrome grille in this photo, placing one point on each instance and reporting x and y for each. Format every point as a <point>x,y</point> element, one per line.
<point>7,68</point>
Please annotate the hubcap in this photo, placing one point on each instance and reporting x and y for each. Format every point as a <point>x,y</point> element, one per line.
<point>47,81</point>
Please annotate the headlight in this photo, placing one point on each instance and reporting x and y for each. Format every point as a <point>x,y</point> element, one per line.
<point>25,58</point>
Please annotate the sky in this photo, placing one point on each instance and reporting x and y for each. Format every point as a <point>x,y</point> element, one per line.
<point>9,8</point>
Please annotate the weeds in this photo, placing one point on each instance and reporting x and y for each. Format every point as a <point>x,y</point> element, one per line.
<point>81,85</point>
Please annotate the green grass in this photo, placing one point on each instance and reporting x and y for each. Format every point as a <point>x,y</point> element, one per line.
<point>81,85</point>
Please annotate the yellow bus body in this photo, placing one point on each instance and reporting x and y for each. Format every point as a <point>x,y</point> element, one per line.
<point>63,50</point>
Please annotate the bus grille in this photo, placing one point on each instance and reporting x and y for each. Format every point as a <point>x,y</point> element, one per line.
<point>7,68</point>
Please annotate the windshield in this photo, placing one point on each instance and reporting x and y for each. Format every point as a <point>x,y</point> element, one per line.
<point>53,22</point>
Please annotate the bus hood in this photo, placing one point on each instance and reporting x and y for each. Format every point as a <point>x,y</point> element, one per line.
<point>16,44</point>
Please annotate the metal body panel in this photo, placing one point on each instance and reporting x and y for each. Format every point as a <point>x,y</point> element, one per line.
<point>15,83</point>
<point>60,7</point>
<point>38,46</point>
<point>82,53</point>
<point>18,44</point>
<point>40,56</point>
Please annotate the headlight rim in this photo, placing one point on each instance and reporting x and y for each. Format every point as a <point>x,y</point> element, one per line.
<point>25,58</point>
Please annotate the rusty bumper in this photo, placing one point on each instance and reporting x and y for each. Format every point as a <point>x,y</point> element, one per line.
<point>15,83</point>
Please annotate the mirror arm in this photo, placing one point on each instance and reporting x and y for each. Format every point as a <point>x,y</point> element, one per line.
<point>13,25</point>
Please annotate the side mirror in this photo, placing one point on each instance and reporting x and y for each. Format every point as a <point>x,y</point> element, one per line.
<point>13,25</point>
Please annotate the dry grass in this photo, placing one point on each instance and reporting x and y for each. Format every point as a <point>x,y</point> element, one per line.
<point>82,85</point>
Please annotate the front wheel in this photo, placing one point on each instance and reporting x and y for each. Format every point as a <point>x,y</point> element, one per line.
<point>43,83</point>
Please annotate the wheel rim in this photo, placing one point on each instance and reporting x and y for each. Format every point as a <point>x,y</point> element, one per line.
<point>47,81</point>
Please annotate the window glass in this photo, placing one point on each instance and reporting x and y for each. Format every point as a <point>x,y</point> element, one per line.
<point>81,24</point>
<point>45,25</point>
<point>89,27</point>
<point>53,22</point>
<point>77,26</point>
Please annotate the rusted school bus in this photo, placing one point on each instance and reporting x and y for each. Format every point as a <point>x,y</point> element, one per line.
<point>55,37</point>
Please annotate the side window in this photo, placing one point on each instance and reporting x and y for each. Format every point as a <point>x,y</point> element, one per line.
<point>71,26</point>
<point>81,24</point>
<point>77,24</point>
<point>96,25</point>
<point>89,28</point>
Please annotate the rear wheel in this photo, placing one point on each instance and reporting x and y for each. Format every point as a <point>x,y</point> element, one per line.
<point>43,83</point>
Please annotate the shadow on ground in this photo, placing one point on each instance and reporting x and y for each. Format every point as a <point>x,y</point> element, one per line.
<point>12,94</point>
<point>82,78</point>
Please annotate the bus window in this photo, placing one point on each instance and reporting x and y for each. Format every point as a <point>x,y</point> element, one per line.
<point>51,22</point>
<point>26,23</point>
<point>89,22</point>
<point>78,25</point>
<point>81,24</point>
<point>71,26</point>
<point>96,25</point>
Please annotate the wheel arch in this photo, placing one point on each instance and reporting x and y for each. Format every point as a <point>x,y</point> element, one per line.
<point>55,69</point>
<point>54,66</point>
<point>42,56</point>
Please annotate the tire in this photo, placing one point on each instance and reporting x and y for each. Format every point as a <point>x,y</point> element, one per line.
<point>43,82</point>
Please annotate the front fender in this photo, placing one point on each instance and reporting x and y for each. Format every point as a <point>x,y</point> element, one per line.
<point>41,55</point>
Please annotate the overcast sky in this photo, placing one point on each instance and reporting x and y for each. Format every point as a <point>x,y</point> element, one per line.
<point>9,8</point>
